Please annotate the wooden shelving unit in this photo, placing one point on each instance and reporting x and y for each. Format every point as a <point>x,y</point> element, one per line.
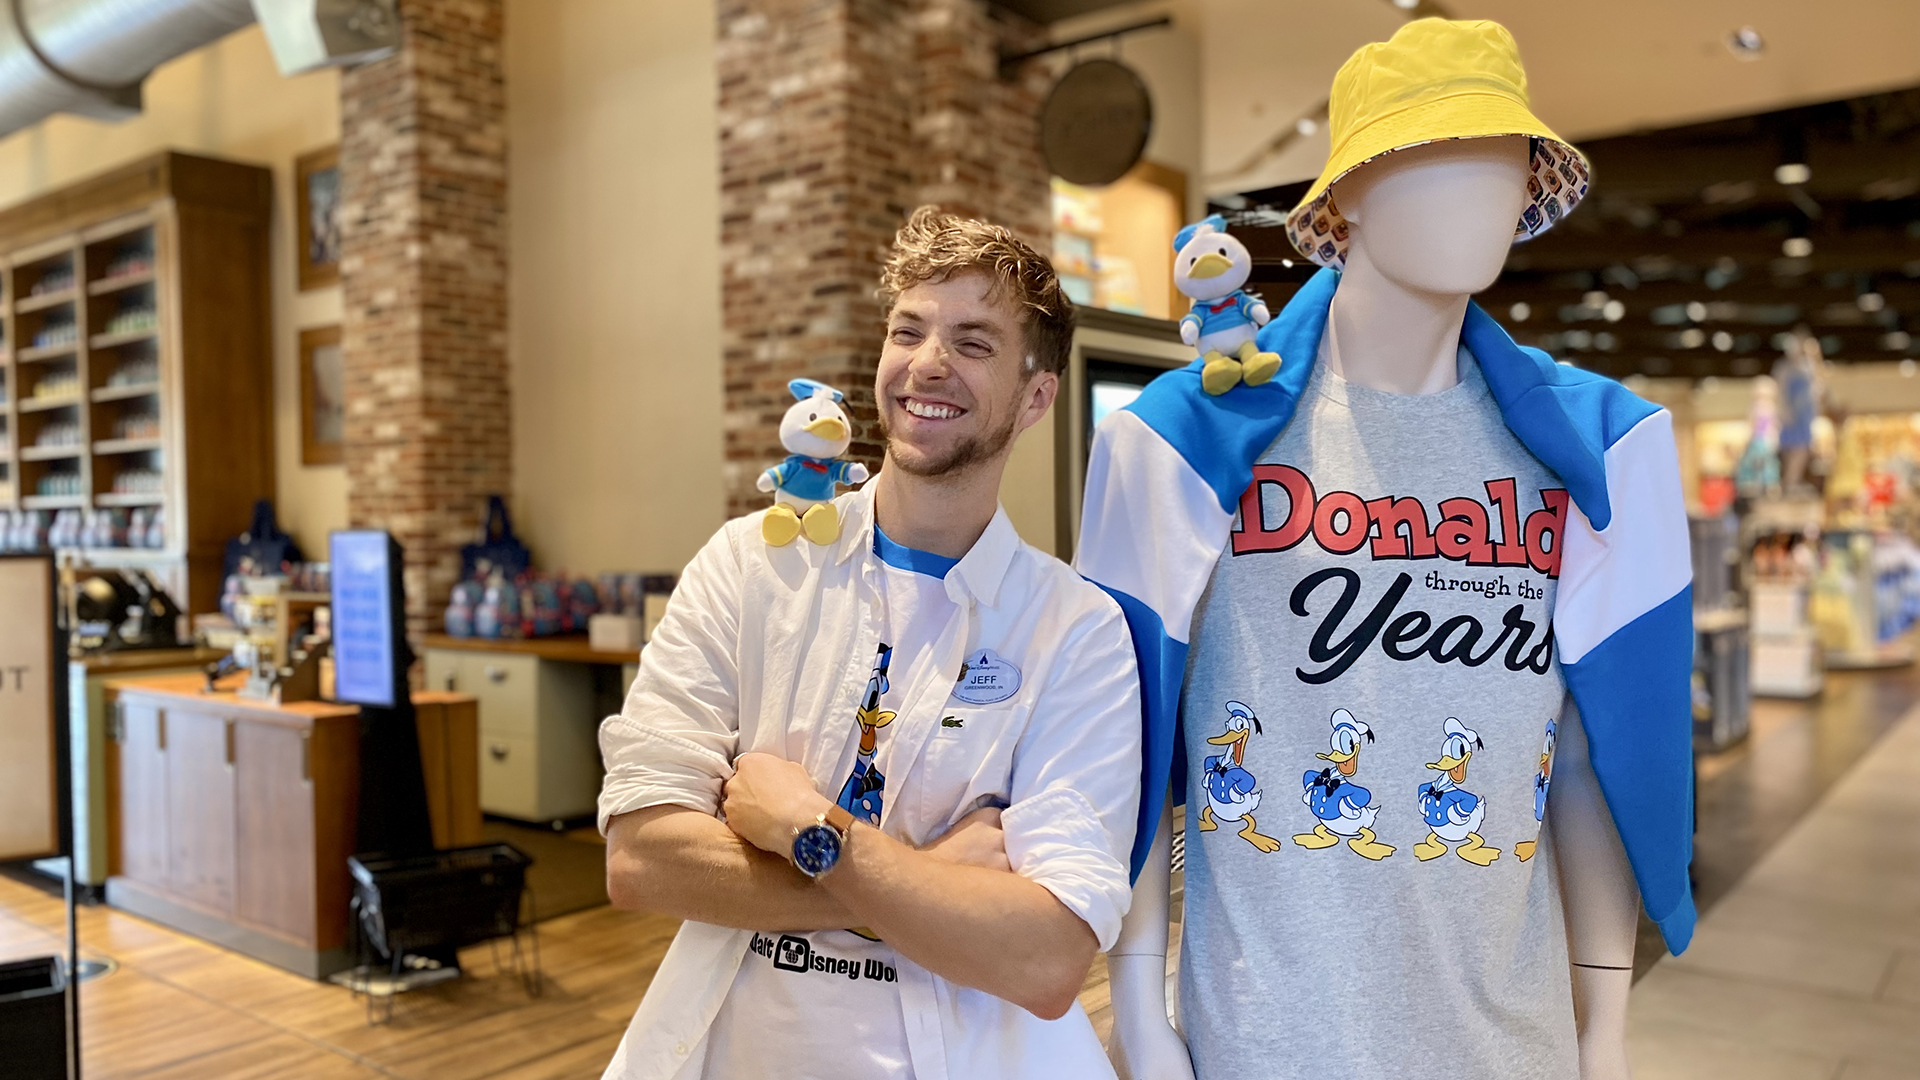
<point>136,357</point>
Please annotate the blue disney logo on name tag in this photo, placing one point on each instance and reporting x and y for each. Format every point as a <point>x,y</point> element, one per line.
<point>987,678</point>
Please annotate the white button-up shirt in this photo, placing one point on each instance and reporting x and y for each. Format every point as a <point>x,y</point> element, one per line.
<point>768,649</point>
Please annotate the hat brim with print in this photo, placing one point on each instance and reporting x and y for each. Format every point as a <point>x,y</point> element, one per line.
<point>1434,80</point>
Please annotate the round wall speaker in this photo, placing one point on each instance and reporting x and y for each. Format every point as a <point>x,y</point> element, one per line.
<point>1095,123</point>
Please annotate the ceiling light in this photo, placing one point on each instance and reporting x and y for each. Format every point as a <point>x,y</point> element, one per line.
<point>1605,342</point>
<point>1697,311</point>
<point>1896,341</point>
<point>1710,383</point>
<point>1871,302</point>
<point>1306,125</point>
<point>1794,172</point>
<point>1288,263</point>
<point>1796,247</point>
<point>1595,299</point>
<point>1406,5</point>
<point>1692,338</point>
<point>1722,341</point>
<point>1613,311</point>
<point>1520,311</point>
<point>1907,369</point>
<point>1746,43</point>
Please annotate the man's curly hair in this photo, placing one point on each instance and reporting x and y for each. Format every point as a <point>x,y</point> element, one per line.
<point>934,245</point>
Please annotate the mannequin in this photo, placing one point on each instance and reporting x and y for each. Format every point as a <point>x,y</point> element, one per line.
<point>1429,226</point>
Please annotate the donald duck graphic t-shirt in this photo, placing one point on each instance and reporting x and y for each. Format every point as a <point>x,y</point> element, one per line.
<point>826,1005</point>
<point>1369,714</point>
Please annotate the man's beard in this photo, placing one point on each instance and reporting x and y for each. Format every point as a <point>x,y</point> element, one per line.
<point>968,453</point>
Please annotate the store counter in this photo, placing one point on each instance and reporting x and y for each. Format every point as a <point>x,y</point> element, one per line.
<point>87,723</point>
<point>541,703</point>
<point>232,819</point>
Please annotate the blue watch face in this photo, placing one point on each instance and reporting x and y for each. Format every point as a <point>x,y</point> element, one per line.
<point>816,849</point>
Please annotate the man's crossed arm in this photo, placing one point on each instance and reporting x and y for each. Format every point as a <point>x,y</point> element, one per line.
<point>952,907</point>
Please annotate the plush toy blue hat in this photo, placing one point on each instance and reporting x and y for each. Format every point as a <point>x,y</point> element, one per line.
<point>805,388</point>
<point>1212,221</point>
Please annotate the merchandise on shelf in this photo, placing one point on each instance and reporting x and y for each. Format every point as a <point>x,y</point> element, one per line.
<point>53,281</point>
<point>64,484</point>
<point>131,319</point>
<point>56,385</point>
<point>56,333</point>
<point>137,482</point>
<point>137,426</point>
<point>131,262</point>
<point>143,371</point>
<point>23,531</point>
<point>58,434</point>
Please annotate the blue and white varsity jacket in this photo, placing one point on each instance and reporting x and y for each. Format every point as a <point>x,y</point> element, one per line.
<point>1166,473</point>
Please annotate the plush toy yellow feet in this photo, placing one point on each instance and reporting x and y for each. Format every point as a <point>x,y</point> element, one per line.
<point>1476,851</point>
<point>780,525</point>
<point>1524,850</point>
<point>1430,848</point>
<point>1368,847</point>
<point>821,524</point>
<point>1220,374</point>
<point>1256,366</point>
<point>1320,837</point>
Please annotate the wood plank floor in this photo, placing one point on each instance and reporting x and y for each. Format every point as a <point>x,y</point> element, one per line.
<point>177,1008</point>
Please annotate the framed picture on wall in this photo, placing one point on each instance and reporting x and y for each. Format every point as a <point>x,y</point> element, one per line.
<point>316,185</point>
<point>323,396</point>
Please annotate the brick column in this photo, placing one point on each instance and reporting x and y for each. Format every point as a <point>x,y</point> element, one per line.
<point>837,118</point>
<point>423,275</point>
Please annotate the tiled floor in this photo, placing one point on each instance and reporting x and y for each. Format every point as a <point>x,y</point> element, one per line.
<point>1809,967</point>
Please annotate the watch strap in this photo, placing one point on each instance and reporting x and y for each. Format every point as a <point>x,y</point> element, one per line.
<point>840,818</point>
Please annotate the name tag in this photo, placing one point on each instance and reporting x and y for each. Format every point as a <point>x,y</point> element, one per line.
<point>987,679</point>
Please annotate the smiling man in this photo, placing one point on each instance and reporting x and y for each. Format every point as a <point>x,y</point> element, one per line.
<point>889,782</point>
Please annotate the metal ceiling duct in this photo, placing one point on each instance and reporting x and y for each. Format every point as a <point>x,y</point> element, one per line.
<point>90,56</point>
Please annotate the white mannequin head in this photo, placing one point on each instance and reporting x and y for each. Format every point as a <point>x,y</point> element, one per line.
<point>1437,218</point>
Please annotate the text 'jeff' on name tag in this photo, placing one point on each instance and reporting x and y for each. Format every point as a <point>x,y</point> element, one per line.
<point>987,679</point>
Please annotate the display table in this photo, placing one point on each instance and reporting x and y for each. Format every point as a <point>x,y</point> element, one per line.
<point>541,703</point>
<point>232,819</point>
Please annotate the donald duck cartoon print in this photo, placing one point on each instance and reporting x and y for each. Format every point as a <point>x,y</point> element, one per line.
<point>1232,792</point>
<point>1452,813</point>
<point>1541,781</point>
<point>865,788</point>
<point>1345,809</point>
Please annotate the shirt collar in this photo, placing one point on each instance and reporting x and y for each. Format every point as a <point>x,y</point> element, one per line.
<point>980,572</point>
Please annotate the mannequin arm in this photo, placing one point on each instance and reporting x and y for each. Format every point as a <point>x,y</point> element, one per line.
<point>1602,905</point>
<point>1144,1045</point>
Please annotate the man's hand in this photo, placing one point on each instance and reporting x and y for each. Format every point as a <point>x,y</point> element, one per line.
<point>768,798</point>
<point>974,840</point>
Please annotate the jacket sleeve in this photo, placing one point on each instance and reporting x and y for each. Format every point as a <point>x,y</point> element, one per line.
<point>1623,621</point>
<point>673,742</point>
<point>1074,795</point>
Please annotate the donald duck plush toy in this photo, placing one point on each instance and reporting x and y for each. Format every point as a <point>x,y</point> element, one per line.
<point>1211,266</point>
<point>816,432</point>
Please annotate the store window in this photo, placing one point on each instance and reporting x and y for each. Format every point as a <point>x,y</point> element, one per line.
<point>1113,245</point>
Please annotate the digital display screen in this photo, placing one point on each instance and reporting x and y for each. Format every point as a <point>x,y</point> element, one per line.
<point>1110,397</point>
<point>364,622</point>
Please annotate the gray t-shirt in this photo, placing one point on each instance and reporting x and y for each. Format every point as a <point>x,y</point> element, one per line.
<point>1369,712</point>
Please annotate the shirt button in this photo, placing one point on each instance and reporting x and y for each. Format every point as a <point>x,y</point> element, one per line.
<point>680,1049</point>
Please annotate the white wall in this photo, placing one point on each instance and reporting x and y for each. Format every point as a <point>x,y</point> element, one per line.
<point>227,100</point>
<point>613,190</point>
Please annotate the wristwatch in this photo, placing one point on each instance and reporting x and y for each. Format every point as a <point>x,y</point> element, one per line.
<point>817,847</point>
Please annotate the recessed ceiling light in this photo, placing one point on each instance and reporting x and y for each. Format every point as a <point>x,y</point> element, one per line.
<point>1722,341</point>
<point>1613,311</point>
<point>1794,172</point>
<point>1692,338</point>
<point>1871,302</point>
<point>1520,312</point>
<point>1746,43</point>
<point>1306,125</point>
<point>1697,311</point>
<point>1796,247</point>
<point>1406,5</point>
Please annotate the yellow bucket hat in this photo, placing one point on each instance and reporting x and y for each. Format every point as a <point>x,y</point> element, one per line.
<point>1434,79</point>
